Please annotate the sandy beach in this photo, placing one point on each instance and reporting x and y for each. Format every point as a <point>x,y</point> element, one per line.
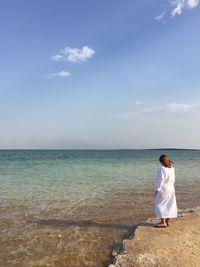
<point>176,245</point>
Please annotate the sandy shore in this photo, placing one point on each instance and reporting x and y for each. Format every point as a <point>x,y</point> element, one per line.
<point>177,245</point>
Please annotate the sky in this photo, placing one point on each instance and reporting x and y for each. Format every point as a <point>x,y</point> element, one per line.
<point>106,74</point>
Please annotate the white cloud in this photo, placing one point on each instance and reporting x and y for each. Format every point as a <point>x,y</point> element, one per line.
<point>57,57</point>
<point>170,109</point>
<point>173,124</point>
<point>192,3</point>
<point>160,17</point>
<point>180,5</point>
<point>71,55</point>
<point>138,103</point>
<point>61,74</point>
<point>78,55</point>
<point>179,106</point>
<point>74,54</point>
<point>177,8</point>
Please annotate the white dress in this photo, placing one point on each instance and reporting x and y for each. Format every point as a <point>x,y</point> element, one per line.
<point>165,199</point>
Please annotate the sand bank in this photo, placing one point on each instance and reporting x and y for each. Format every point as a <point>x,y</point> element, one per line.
<point>177,245</point>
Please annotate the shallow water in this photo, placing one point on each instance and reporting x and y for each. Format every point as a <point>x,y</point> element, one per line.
<point>71,208</point>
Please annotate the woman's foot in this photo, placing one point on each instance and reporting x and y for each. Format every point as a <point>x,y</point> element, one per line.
<point>160,225</point>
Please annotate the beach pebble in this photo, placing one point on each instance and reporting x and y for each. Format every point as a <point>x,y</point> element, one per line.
<point>114,253</point>
<point>76,228</point>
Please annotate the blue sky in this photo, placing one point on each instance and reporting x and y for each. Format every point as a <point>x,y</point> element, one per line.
<point>99,74</point>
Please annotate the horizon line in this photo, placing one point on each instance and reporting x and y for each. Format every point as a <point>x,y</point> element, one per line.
<point>162,148</point>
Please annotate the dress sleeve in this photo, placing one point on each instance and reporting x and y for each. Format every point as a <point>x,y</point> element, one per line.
<point>159,179</point>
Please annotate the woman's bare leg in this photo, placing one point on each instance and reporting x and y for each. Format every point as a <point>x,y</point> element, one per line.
<point>163,221</point>
<point>168,221</point>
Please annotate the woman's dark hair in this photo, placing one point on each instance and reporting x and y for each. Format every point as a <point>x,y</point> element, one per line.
<point>163,161</point>
<point>162,158</point>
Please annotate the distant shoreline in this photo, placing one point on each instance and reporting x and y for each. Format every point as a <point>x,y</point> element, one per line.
<point>98,149</point>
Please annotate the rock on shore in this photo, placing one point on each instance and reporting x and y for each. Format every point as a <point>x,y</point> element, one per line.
<point>177,245</point>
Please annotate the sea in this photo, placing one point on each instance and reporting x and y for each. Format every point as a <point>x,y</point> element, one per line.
<point>72,208</point>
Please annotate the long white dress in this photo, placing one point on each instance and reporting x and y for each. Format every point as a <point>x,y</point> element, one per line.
<point>165,199</point>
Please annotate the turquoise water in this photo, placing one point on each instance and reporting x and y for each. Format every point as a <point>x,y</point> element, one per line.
<point>84,200</point>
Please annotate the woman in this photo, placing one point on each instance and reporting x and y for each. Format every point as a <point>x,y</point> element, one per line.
<point>165,199</point>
